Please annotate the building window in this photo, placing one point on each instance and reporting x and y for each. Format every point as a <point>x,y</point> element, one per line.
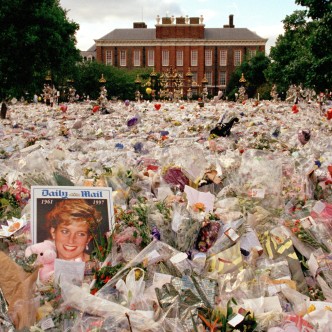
<point>151,58</point>
<point>137,58</point>
<point>194,78</point>
<point>123,58</point>
<point>165,58</point>
<point>237,58</point>
<point>208,76</point>
<point>108,58</point>
<point>251,54</point>
<point>208,57</point>
<point>179,58</point>
<point>194,58</point>
<point>223,78</point>
<point>223,58</point>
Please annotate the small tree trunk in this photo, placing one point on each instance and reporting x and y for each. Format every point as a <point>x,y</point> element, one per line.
<point>3,110</point>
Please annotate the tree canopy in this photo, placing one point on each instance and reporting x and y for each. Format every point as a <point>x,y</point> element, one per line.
<point>303,54</point>
<point>36,37</point>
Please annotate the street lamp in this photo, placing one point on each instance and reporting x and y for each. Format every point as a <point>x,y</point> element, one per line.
<point>242,89</point>
<point>103,92</point>
<point>153,77</point>
<point>189,76</point>
<point>204,83</point>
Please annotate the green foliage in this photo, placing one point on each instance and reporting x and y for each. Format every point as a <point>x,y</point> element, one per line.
<point>264,91</point>
<point>253,70</point>
<point>105,274</point>
<point>217,319</point>
<point>120,82</point>
<point>304,53</point>
<point>38,38</point>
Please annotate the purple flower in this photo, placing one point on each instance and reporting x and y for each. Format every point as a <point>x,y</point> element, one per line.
<point>132,122</point>
<point>155,233</point>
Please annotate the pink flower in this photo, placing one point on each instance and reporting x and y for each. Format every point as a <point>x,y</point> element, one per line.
<point>4,188</point>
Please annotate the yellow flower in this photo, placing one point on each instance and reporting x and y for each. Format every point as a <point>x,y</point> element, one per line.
<point>311,309</point>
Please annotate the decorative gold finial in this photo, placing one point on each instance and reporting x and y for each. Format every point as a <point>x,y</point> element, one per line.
<point>242,79</point>
<point>189,73</point>
<point>204,80</point>
<point>138,80</point>
<point>153,74</point>
<point>102,79</point>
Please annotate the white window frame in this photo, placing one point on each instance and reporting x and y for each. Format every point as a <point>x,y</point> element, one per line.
<point>194,58</point>
<point>165,58</point>
<point>208,57</point>
<point>151,58</point>
<point>108,58</point>
<point>137,58</point>
<point>237,58</point>
<point>223,57</point>
<point>208,76</point>
<point>123,58</point>
<point>179,58</point>
<point>223,78</point>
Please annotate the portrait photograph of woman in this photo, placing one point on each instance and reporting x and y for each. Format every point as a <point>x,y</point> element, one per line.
<point>71,223</point>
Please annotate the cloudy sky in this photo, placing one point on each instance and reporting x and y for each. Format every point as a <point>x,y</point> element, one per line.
<point>98,17</point>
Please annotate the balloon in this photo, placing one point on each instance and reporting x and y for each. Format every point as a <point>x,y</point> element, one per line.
<point>127,102</point>
<point>148,91</point>
<point>157,106</point>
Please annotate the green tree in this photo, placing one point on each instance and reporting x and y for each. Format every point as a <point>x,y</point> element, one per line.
<point>320,12</point>
<point>36,37</point>
<point>303,54</point>
<point>253,70</point>
<point>120,82</point>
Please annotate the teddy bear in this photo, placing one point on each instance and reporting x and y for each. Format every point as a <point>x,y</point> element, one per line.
<point>46,255</point>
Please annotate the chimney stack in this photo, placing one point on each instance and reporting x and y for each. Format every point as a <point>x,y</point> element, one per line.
<point>230,22</point>
<point>231,17</point>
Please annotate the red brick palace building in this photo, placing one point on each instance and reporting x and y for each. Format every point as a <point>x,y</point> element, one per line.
<point>181,43</point>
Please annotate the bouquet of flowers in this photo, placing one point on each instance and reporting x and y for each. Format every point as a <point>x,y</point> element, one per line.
<point>13,197</point>
<point>304,234</point>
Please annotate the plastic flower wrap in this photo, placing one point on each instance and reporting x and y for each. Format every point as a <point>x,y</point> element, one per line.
<point>260,177</point>
<point>160,219</point>
<point>186,225</point>
<point>132,224</point>
<point>229,318</point>
<point>277,243</point>
<point>78,298</point>
<point>239,285</point>
<point>302,230</point>
<point>153,253</point>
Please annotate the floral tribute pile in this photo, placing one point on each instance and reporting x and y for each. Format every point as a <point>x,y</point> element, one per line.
<point>209,233</point>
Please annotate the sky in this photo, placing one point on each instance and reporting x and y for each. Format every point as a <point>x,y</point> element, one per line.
<point>99,17</point>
